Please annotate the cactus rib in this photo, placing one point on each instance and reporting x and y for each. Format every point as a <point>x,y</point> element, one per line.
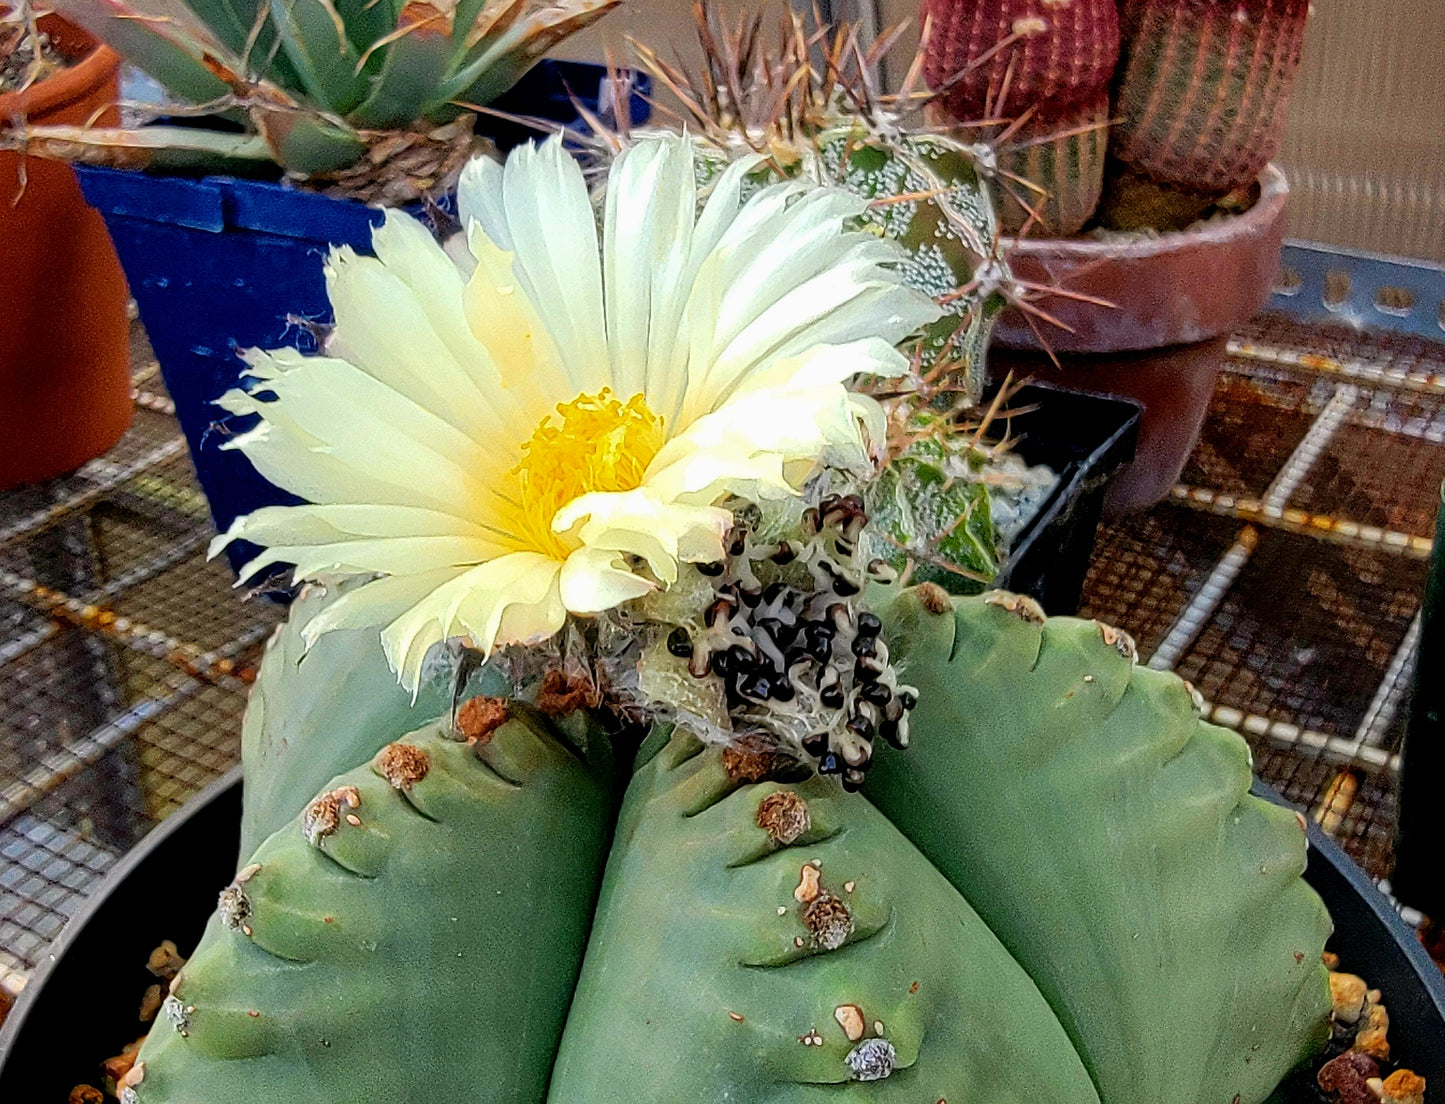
<point>1107,835</point>
<point>777,942</point>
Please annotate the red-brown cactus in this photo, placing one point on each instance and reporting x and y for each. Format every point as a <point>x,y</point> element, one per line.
<point>998,58</point>
<point>1063,155</point>
<point>1045,66</point>
<point>1202,88</point>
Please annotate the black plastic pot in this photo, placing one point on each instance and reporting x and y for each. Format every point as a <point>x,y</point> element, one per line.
<point>80,1005</point>
<point>1086,439</point>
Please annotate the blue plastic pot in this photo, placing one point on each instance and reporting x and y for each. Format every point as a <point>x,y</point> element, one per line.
<point>218,264</point>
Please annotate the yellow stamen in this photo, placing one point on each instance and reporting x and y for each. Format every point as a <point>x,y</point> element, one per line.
<point>602,444</point>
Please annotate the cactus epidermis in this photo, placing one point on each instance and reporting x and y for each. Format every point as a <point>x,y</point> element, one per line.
<point>1106,834</point>
<point>777,942</point>
<point>413,935</point>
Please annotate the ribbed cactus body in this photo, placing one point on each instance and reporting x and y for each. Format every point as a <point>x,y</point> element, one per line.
<point>313,714</point>
<point>949,232</point>
<point>1107,835</point>
<point>414,935</point>
<point>1064,155</point>
<point>1063,52</point>
<point>1202,88</point>
<point>782,943</point>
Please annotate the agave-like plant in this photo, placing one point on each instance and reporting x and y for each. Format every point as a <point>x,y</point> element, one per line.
<point>319,87</point>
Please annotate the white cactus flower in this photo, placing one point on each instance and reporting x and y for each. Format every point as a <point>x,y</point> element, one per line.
<point>548,427</point>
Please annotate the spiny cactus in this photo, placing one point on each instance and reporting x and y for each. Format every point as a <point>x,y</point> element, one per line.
<point>1199,90</point>
<point>768,97</point>
<point>1107,836</point>
<point>1000,58</point>
<point>770,942</point>
<point>829,123</point>
<point>1043,70</point>
<point>1201,95</point>
<point>319,85</point>
<point>414,934</point>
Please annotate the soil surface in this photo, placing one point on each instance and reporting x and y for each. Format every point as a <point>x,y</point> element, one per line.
<point>18,63</point>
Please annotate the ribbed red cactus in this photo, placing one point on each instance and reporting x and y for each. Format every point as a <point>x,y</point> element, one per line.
<point>1202,88</point>
<point>1052,60</point>
<point>997,58</point>
<point>1063,155</point>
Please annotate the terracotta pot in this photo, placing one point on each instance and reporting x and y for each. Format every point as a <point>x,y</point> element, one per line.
<point>1176,299</point>
<point>64,346</point>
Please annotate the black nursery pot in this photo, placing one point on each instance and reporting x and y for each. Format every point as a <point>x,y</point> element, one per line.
<point>81,1003</point>
<point>1086,440</point>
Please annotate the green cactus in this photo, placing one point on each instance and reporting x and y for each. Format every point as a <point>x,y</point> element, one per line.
<point>415,934</point>
<point>950,235</point>
<point>1064,155</point>
<point>1107,836</point>
<point>921,509</point>
<point>319,85</point>
<point>777,942</point>
<point>314,714</point>
<point>835,128</point>
<point>1200,95</point>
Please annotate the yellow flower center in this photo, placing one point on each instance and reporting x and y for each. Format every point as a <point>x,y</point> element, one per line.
<point>601,444</point>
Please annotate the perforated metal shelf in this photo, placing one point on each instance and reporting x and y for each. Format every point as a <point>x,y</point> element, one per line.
<point>1283,576</point>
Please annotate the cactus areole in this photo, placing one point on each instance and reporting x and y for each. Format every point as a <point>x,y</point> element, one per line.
<point>598,500</point>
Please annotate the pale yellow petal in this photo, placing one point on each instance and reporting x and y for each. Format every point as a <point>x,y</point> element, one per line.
<point>473,604</point>
<point>597,579</point>
<point>529,376</point>
<point>375,604</point>
<point>639,523</point>
<point>649,211</point>
<point>685,472</point>
<point>555,256</point>
<point>336,434</point>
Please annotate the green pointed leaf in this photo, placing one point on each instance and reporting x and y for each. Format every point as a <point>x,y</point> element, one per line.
<point>1107,836</point>
<point>498,60</point>
<point>312,36</point>
<point>168,44</point>
<point>415,64</point>
<point>172,150</point>
<point>232,21</point>
<point>302,143</point>
<point>402,944</point>
<point>714,974</point>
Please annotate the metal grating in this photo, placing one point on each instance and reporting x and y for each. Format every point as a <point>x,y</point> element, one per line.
<point>1283,577</point>
<point>124,665</point>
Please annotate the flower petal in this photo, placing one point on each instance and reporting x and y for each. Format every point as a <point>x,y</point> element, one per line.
<point>553,236</point>
<point>334,433</point>
<point>474,604</point>
<point>640,523</point>
<point>649,211</point>
<point>375,604</point>
<point>596,579</point>
<point>329,539</point>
